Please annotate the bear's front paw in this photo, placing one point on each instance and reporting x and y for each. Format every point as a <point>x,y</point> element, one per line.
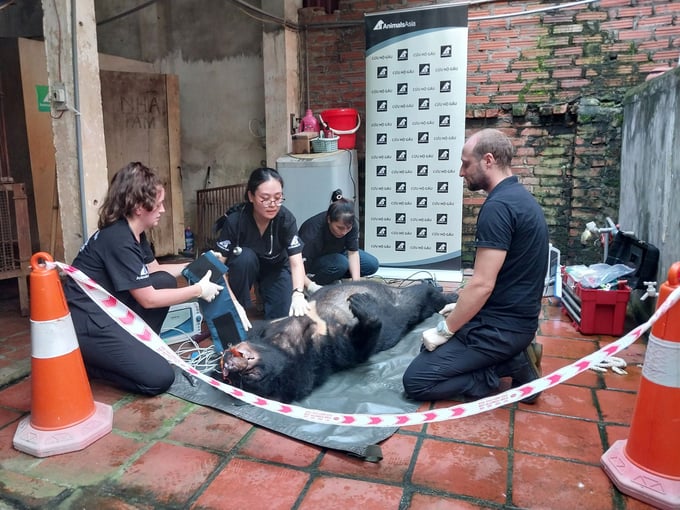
<point>363,307</point>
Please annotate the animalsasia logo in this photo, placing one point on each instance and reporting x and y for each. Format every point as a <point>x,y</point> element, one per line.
<point>381,25</point>
<point>143,273</point>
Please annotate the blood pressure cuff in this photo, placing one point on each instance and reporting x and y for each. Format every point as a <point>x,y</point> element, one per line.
<point>220,314</point>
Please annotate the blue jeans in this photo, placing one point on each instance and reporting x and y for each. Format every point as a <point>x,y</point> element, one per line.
<point>335,266</point>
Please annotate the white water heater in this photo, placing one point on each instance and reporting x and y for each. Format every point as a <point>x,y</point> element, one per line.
<point>310,179</point>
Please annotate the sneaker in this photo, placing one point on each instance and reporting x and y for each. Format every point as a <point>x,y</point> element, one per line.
<point>530,371</point>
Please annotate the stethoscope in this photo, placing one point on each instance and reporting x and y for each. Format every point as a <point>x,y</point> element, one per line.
<point>238,250</point>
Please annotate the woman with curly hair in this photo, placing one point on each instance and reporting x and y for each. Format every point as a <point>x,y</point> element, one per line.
<point>119,257</point>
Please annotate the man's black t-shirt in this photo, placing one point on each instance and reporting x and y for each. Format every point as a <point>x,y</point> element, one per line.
<point>511,220</point>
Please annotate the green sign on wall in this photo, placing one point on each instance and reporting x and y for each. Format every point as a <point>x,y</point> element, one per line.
<point>43,94</point>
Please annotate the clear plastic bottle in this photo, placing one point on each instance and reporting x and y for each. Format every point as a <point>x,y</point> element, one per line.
<point>188,240</point>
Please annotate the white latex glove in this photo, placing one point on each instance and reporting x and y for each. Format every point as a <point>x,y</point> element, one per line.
<point>209,290</point>
<point>313,287</point>
<point>299,305</point>
<point>242,315</point>
<point>447,309</point>
<point>434,337</point>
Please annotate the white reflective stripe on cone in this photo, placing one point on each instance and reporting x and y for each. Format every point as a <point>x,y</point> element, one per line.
<point>53,338</point>
<point>661,362</point>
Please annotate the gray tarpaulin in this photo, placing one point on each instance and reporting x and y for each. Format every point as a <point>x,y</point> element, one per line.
<point>374,387</point>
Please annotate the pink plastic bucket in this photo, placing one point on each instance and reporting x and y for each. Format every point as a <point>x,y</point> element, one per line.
<point>343,122</point>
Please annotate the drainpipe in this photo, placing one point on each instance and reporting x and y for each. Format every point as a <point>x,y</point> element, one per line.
<point>76,107</point>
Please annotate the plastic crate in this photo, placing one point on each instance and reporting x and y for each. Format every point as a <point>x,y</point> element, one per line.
<point>596,311</point>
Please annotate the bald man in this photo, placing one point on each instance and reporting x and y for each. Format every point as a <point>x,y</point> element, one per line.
<point>489,333</point>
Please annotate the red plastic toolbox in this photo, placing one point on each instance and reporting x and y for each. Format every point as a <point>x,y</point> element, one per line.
<point>596,311</point>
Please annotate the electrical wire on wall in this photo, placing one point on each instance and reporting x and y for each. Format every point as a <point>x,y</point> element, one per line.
<point>264,16</point>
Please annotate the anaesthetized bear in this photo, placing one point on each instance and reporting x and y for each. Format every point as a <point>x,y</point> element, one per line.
<point>285,359</point>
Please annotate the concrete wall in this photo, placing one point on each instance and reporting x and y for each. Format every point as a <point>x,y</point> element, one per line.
<point>556,80</point>
<point>216,51</point>
<point>650,166</point>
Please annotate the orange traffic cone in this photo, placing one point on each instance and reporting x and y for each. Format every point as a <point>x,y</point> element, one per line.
<point>647,465</point>
<point>64,417</point>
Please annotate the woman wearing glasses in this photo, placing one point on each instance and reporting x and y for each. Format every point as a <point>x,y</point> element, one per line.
<point>260,242</point>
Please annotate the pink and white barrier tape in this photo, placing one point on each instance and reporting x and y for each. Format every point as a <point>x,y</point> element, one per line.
<point>138,328</point>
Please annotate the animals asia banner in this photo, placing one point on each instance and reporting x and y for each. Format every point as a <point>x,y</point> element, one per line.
<point>416,69</point>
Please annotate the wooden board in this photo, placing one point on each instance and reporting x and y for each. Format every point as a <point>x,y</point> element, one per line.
<point>141,123</point>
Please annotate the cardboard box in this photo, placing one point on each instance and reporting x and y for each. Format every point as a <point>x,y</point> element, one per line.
<point>302,142</point>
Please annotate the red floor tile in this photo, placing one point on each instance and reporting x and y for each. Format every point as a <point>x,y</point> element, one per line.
<point>254,486</point>
<point>13,324</point>
<point>272,446</point>
<point>627,382</point>
<point>33,493</point>
<point>8,416</point>
<point>474,471</point>
<point>106,394</point>
<point>616,406</point>
<point>397,452</point>
<point>428,502</point>
<point>164,451</point>
<point>553,311</point>
<point>615,433</point>
<point>634,353</point>
<point>148,415</point>
<point>491,428</point>
<point>566,400</point>
<point>212,429</point>
<point>557,436</point>
<point>171,473</point>
<point>104,458</point>
<point>17,396</point>
<point>588,378</point>
<point>559,328</point>
<point>553,484</point>
<point>18,348</point>
<point>12,459</point>
<point>328,492</point>
<point>571,349</point>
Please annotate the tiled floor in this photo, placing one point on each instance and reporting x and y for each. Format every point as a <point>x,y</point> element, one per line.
<point>164,452</point>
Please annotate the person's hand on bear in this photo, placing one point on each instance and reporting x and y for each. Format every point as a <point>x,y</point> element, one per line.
<point>299,305</point>
<point>209,290</point>
<point>434,337</point>
<point>313,287</point>
<point>447,309</point>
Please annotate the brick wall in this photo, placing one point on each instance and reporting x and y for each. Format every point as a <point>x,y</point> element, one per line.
<point>552,80</point>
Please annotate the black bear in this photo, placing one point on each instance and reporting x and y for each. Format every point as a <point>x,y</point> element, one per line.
<point>285,359</point>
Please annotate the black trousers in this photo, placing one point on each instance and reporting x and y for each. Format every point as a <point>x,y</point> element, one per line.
<point>465,365</point>
<point>111,354</point>
<point>274,280</point>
